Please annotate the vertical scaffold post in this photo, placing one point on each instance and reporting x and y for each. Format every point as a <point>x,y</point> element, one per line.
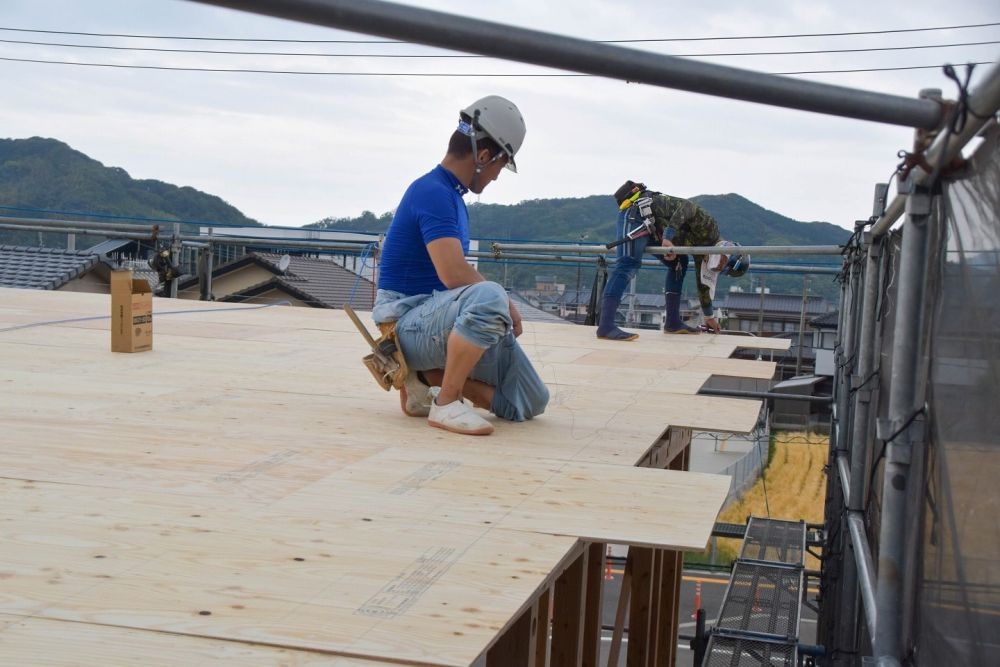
<point>899,430</point>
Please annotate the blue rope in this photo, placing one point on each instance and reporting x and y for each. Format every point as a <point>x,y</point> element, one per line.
<point>364,265</point>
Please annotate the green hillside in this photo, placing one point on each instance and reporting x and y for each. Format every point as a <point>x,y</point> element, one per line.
<point>593,220</point>
<point>48,174</point>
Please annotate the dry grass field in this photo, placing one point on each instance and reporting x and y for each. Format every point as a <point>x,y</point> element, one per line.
<point>795,488</point>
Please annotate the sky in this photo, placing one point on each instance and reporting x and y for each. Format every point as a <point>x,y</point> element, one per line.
<point>292,149</point>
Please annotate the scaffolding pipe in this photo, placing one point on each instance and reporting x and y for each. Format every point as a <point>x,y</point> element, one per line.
<point>499,248</point>
<point>189,239</point>
<point>859,442</point>
<point>843,469</point>
<point>902,413</point>
<point>740,393</point>
<point>577,55</point>
<point>79,224</point>
<point>865,568</point>
<point>652,263</point>
<point>984,101</point>
<point>74,230</point>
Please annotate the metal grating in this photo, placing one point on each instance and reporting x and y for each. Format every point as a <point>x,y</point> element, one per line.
<point>759,620</point>
<point>774,541</point>
<point>763,599</point>
<point>731,651</point>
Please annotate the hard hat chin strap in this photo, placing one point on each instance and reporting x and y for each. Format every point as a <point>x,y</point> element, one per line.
<point>470,129</point>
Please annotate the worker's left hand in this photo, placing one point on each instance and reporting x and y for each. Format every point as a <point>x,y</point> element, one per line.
<point>712,325</point>
<point>515,317</point>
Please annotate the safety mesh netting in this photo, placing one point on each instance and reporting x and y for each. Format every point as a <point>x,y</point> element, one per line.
<point>957,615</point>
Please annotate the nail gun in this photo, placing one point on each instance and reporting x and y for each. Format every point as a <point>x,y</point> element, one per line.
<point>647,228</point>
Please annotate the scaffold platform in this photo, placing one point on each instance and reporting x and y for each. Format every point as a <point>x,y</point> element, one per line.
<point>758,622</point>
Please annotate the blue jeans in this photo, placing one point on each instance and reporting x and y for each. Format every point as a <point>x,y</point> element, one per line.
<point>479,313</point>
<point>628,258</point>
<point>676,270</point>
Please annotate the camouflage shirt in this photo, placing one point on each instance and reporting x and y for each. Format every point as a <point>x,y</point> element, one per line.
<point>686,223</point>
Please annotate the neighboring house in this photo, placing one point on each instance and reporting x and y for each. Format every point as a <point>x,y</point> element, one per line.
<point>259,277</point>
<point>129,254</point>
<point>775,313</point>
<point>531,314</point>
<point>794,415</point>
<point>54,269</point>
<point>549,284</point>
<point>824,338</point>
<point>780,315</point>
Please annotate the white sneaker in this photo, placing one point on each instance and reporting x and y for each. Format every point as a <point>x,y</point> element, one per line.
<point>415,397</point>
<point>456,417</point>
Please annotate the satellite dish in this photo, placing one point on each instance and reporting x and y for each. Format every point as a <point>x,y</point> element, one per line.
<point>284,262</point>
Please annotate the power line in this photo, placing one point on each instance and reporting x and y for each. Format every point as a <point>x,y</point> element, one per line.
<point>418,74</point>
<point>605,41</point>
<point>387,55</point>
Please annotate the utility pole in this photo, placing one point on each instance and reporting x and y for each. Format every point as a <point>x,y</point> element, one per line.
<point>576,296</point>
<point>802,324</point>
<point>760,313</point>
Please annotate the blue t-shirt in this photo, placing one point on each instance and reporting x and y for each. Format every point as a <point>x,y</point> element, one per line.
<point>431,208</point>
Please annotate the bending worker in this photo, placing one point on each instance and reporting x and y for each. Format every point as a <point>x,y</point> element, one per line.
<point>456,330</point>
<point>651,217</point>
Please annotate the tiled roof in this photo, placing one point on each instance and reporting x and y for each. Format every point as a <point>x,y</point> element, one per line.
<point>42,268</point>
<point>774,303</point>
<point>109,246</point>
<point>322,283</point>
<point>831,319</point>
<point>531,314</point>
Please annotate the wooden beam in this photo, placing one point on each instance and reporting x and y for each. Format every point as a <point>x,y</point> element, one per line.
<point>641,607</point>
<point>514,646</point>
<point>568,614</point>
<point>624,594</point>
<point>596,558</point>
<point>540,629</point>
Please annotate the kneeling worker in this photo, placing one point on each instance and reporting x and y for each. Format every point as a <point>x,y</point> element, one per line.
<point>649,217</point>
<point>456,330</point>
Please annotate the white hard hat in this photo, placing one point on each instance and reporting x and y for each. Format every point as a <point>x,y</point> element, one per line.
<point>501,121</point>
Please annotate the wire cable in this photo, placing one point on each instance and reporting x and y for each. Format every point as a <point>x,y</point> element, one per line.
<point>466,55</point>
<point>158,314</point>
<point>607,41</point>
<point>418,74</point>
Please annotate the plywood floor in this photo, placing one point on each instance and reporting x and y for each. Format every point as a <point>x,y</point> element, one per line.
<point>245,494</point>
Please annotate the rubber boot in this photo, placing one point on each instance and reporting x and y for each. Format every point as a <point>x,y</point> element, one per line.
<point>606,327</point>
<point>674,325</point>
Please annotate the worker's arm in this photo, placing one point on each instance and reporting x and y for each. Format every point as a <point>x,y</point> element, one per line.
<point>450,264</point>
<point>705,297</point>
<point>454,271</point>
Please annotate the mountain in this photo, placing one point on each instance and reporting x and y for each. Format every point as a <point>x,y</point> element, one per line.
<point>592,219</point>
<point>48,174</point>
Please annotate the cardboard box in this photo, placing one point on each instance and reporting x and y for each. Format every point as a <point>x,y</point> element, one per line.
<point>131,313</point>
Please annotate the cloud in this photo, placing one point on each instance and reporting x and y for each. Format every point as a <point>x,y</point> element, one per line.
<point>293,149</point>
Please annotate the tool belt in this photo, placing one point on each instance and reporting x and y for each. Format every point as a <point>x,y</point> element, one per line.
<point>645,217</point>
<point>386,362</point>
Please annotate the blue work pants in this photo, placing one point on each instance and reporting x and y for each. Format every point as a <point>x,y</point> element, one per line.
<point>480,313</point>
<point>628,258</point>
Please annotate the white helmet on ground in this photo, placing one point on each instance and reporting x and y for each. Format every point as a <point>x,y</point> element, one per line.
<point>500,120</point>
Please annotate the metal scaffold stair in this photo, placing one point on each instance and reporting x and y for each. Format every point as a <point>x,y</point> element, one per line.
<point>758,623</point>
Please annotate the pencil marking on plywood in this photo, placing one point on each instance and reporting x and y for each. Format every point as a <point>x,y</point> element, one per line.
<point>426,473</point>
<point>257,468</point>
<point>409,585</point>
